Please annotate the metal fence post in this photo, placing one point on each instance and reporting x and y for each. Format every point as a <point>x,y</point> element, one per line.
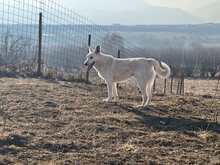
<point>89,44</point>
<point>119,56</point>
<point>89,40</point>
<point>119,53</point>
<point>39,45</point>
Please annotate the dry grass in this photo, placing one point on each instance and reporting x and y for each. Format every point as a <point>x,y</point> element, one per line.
<point>67,123</point>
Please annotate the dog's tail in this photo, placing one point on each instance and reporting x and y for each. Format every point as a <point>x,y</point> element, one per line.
<point>162,69</point>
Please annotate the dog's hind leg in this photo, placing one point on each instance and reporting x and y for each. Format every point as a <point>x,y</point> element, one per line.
<point>150,84</point>
<point>149,93</point>
<point>115,91</point>
<point>109,86</point>
<point>143,87</point>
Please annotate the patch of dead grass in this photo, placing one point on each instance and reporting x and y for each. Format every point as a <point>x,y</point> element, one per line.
<point>208,136</point>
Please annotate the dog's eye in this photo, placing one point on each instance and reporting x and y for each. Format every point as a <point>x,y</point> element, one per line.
<point>91,57</point>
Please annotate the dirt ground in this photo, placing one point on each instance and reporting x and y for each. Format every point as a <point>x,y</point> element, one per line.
<point>67,123</point>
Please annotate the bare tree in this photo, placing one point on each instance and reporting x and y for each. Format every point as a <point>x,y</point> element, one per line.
<point>112,43</point>
<point>14,50</point>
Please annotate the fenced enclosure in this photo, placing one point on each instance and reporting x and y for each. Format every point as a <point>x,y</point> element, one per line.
<point>64,37</point>
<point>45,37</point>
<point>67,121</point>
<point>62,34</point>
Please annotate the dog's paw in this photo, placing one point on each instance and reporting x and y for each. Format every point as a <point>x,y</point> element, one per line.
<point>116,99</point>
<point>139,106</point>
<point>107,100</point>
<point>142,107</point>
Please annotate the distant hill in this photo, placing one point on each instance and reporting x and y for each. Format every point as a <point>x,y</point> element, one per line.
<point>142,35</point>
<point>145,14</point>
<point>198,29</point>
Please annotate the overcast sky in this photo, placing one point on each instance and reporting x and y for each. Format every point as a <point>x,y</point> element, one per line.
<point>111,4</point>
<point>103,11</point>
<point>142,11</point>
<point>182,4</point>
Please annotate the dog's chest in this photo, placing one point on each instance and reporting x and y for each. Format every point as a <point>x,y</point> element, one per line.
<point>103,72</point>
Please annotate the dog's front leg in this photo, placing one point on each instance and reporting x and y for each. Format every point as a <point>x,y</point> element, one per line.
<point>109,86</point>
<point>115,92</point>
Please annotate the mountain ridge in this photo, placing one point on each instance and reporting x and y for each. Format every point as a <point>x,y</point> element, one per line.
<point>147,15</point>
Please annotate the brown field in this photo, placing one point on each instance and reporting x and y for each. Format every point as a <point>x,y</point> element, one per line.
<point>195,87</point>
<point>67,123</point>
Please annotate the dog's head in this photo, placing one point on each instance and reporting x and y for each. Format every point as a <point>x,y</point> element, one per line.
<point>92,57</point>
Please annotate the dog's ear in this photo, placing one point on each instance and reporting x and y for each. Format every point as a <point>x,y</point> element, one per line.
<point>98,49</point>
<point>90,50</point>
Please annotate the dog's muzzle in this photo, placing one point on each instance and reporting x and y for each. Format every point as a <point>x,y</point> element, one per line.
<point>86,63</point>
<point>89,65</point>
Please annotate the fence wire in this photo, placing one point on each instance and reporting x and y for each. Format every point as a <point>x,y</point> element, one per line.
<point>64,38</point>
<point>18,31</point>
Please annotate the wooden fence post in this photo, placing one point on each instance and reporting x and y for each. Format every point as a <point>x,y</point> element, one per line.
<point>178,87</point>
<point>171,85</point>
<point>165,86</point>
<point>154,86</point>
<point>182,86</point>
<point>39,72</point>
<point>89,44</point>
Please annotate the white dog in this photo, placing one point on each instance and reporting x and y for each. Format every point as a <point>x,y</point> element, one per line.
<point>114,70</point>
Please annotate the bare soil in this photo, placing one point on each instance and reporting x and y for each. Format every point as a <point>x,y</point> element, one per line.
<point>67,123</point>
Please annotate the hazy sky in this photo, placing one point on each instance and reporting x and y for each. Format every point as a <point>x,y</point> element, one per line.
<point>182,4</point>
<point>111,4</point>
<point>111,11</point>
<point>143,11</point>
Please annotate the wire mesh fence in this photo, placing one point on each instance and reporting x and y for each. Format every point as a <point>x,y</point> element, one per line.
<point>18,32</point>
<point>64,34</point>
